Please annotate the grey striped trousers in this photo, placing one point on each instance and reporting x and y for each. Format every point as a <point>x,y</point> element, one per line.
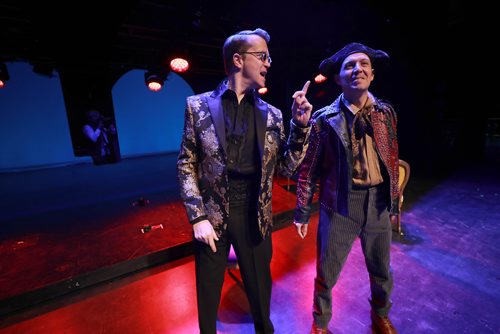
<point>369,220</point>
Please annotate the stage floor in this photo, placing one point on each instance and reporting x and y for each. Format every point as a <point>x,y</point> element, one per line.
<point>66,228</point>
<point>446,267</point>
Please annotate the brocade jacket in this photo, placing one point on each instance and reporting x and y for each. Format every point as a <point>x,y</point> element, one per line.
<point>202,161</point>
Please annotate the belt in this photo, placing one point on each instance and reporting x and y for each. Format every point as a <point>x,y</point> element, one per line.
<point>243,189</point>
<point>356,187</point>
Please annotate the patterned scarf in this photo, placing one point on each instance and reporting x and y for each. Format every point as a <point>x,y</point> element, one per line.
<point>361,126</point>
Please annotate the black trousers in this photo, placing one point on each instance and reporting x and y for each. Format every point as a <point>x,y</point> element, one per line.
<point>254,258</point>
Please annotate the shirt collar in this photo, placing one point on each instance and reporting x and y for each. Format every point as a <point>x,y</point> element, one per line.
<point>223,88</point>
<point>352,108</point>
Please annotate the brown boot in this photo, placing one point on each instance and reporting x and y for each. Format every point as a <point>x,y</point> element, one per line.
<point>382,325</point>
<point>318,330</point>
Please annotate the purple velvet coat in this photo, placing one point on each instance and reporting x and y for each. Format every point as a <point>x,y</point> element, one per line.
<point>329,158</point>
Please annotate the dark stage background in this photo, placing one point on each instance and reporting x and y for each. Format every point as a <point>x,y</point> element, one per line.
<point>88,52</point>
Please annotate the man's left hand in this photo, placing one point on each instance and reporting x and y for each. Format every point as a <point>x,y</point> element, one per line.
<point>301,229</point>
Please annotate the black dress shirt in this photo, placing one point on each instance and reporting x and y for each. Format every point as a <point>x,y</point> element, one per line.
<point>242,151</point>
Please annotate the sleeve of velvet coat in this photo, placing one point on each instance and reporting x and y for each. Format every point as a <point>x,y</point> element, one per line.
<point>307,174</point>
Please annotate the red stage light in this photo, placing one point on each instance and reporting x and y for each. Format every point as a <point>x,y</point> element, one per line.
<point>179,65</point>
<point>320,78</point>
<point>262,90</point>
<point>154,86</point>
<point>155,80</point>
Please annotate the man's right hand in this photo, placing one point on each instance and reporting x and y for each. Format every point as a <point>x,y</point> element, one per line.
<point>204,232</point>
<point>301,108</point>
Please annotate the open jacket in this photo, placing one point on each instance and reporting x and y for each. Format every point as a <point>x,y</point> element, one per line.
<point>329,158</point>
<point>202,168</point>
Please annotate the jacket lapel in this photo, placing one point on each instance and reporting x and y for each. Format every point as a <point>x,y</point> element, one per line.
<point>215,106</point>
<point>261,124</point>
<point>339,124</point>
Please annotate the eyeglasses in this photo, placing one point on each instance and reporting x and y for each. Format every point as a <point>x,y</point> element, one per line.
<point>260,55</point>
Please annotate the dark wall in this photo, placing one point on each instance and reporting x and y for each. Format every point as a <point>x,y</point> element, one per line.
<point>425,80</point>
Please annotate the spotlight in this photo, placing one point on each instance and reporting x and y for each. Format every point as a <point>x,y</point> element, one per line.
<point>155,80</point>
<point>262,90</point>
<point>179,65</point>
<point>178,59</point>
<point>320,78</point>
<point>4,75</point>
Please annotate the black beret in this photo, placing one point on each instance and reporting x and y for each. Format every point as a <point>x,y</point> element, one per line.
<point>331,66</point>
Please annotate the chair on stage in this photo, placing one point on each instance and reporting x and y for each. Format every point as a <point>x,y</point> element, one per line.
<point>404,175</point>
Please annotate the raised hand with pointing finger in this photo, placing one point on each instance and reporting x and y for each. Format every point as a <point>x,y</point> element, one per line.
<point>301,108</point>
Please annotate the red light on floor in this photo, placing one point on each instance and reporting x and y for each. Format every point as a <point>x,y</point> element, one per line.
<point>179,65</point>
<point>1,84</point>
<point>262,90</point>
<point>320,78</point>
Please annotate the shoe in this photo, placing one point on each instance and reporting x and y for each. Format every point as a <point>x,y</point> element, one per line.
<point>382,325</point>
<point>318,330</point>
